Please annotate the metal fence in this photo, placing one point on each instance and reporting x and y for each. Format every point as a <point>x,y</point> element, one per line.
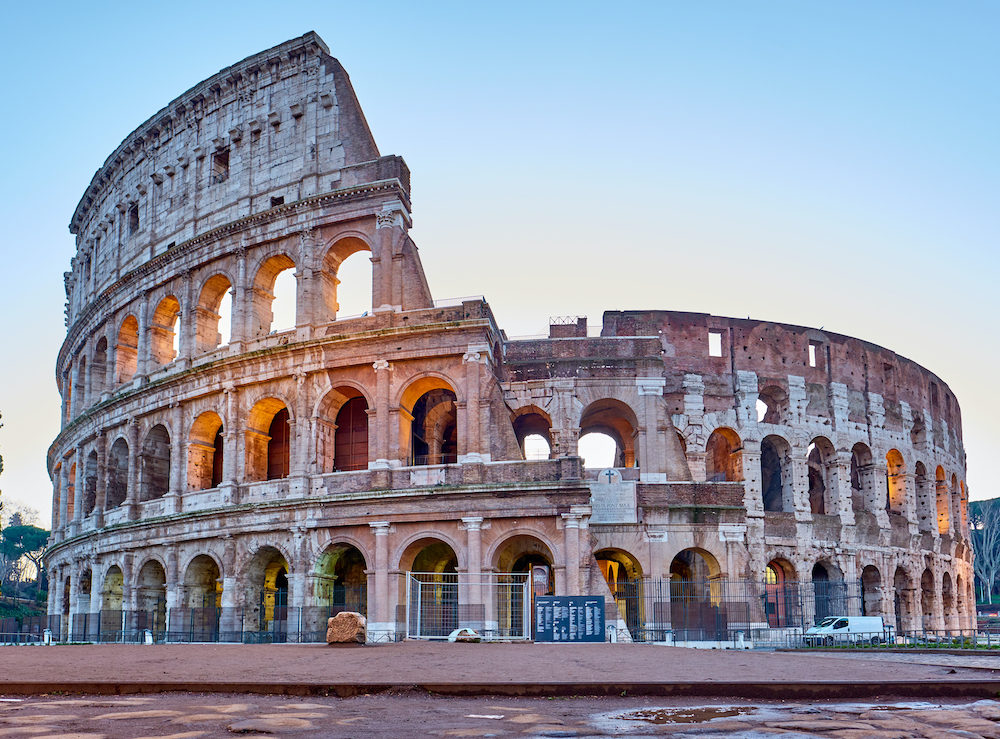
<point>496,606</point>
<point>657,610</point>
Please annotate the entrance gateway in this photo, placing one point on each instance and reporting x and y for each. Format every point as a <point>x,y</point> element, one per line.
<point>496,605</point>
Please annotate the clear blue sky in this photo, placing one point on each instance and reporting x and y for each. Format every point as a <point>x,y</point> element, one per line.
<point>828,164</point>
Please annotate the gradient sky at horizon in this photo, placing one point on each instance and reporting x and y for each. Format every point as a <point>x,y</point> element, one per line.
<point>832,165</point>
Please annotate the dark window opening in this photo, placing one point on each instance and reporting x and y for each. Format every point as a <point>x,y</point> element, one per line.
<point>220,166</point>
<point>133,219</point>
<point>276,201</point>
<point>278,446</point>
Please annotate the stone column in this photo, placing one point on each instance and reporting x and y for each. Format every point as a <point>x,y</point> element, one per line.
<point>64,521</point>
<point>799,468</point>
<point>132,491</point>
<point>472,598</point>
<point>56,504</point>
<point>571,534</point>
<point>242,308</point>
<point>298,435</point>
<point>753,494</point>
<point>389,231</point>
<point>101,493</point>
<point>144,350</point>
<point>94,625</point>
<point>230,620</point>
<point>187,323</point>
<point>173,501</point>
<point>842,493</point>
<point>230,447</point>
<point>379,454</point>
<point>383,620</point>
<point>472,450</point>
<point>652,451</point>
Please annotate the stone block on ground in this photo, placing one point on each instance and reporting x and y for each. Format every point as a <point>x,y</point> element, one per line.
<point>346,628</point>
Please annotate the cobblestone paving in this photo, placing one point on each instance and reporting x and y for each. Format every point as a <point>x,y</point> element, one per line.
<point>187,716</point>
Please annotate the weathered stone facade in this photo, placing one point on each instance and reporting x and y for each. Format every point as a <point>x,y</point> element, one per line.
<point>355,449</point>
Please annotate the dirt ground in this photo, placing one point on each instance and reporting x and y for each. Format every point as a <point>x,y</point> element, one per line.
<point>423,663</point>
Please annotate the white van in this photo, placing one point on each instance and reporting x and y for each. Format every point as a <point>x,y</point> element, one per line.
<point>849,630</point>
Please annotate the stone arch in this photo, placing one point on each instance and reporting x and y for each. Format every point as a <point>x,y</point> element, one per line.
<point>829,589</point>
<point>776,481</point>
<point>164,330</point>
<point>268,440</point>
<point>617,421</point>
<point>90,483</point>
<point>340,250</point>
<point>942,498</point>
<point>622,572</point>
<point>862,472</point>
<point>206,452</point>
<point>341,582</point>
<point>694,564</point>
<point>871,591</point>
<point>947,602</point>
<point>903,599</point>
<point>781,601</point>
<point>265,590</point>
<point>342,429</point>
<point>895,481</point>
<point>821,458</point>
<point>429,549</point>
<point>127,350</point>
<point>208,312</point>
<point>533,431</point>
<point>154,464</point>
<point>151,596</point>
<point>112,593</point>
<point>203,582</point>
<point>772,405</point>
<point>724,456</point>
<point>928,595</point>
<point>262,293</point>
<point>99,368</point>
<point>429,426</point>
<point>117,486</point>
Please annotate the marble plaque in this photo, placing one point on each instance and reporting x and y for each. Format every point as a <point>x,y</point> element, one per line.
<point>612,499</point>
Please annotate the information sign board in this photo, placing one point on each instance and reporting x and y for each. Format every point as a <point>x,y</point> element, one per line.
<point>569,618</point>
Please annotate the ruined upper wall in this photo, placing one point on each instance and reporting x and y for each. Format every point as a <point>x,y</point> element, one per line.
<point>776,350</point>
<point>279,126</point>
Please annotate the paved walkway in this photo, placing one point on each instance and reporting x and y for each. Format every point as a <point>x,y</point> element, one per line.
<point>479,669</point>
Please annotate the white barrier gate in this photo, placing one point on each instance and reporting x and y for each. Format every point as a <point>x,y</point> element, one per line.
<point>497,606</point>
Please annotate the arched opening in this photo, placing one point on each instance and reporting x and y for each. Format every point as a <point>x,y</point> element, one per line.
<point>117,474</point>
<point>213,316</point>
<point>724,456</point>
<point>942,495</point>
<point>696,609</point>
<point>273,296</point>
<point>351,437</point>
<point>828,590</point>
<point>268,438</point>
<point>623,574</point>
<point>861,476</point>
<point>533,430</point>
<point>820,456</point>
<point>895,481</point>
<point>112,596</point>
<point>947,602</point>
<point>127,350</point>
<point>347,279</point>
<point>90,484</point>
<point>197,620</point>
<point>903,599</point>
<point>521,554</point>
<point>926,514</point>
<point>71,493</point>
<point>164,331</point>
<point>205,452</point>
<point>871,591</point>
<point>82,381</point>
<point>927,600</point>
<point>154,464</point>
<point>781,603</point>
<point>151,600</point>
<point>342,430</point>
<point>772,405</point>
<point>614,421</point>
<point>342,584</point>
<point>433,431</point>
<point>434,567</point>
<point>775,474</point>
<point>99,369</point>
<point>266,594</point>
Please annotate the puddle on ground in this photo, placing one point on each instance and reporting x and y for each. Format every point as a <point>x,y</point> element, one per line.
<point>698,715</point>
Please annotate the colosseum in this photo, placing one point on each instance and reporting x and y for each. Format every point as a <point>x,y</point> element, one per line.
<point>218,477</point>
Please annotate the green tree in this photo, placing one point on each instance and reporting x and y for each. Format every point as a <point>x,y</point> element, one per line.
<point>21,545</point>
